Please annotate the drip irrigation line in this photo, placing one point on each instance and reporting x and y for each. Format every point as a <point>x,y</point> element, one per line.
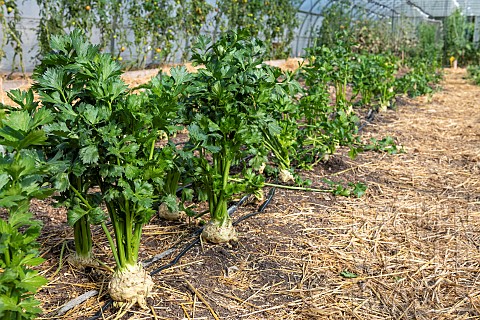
<point>183,187</point>
<point>271,193</point>
<point>282,186</point>
<point>368,119</point>
<point>177,258</point>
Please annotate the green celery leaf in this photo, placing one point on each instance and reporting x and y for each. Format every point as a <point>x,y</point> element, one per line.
<point>61,182</point>
<point>31,260</point>
<point>4,179</point>
<point>53,78</point>
<point>41,118</point>
<point>89,154</point>
<point>30,305</point>
<point>180,74</point>
<point>132,171</point>
<point>74,214</point>
<point>11,201</point>
<point>97,216</point>
<point>18,120</point>
<point>90,113</point>
<point>33,138</point>
<point>170,201</point>
<point>9,304</point>
<point>10,137</point>
<point>32,282</point>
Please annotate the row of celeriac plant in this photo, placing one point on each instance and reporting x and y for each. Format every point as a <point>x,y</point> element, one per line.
<point>111,147</point>
<point>373,82</point>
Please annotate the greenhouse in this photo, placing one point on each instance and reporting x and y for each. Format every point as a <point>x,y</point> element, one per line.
<point>240,159</point>
<point>27,25</point>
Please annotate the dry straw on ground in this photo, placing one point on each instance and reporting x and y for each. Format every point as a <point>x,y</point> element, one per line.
<point>408,249</point>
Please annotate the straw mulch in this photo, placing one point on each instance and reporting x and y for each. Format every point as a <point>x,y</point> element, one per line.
<point>408,249</point>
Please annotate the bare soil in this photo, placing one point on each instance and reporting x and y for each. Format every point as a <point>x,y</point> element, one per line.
<point>407,249</point>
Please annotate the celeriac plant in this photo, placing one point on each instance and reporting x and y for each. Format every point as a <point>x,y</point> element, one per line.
<point>226,113</point>
<point>165,94</point>
<point>278,94</point>
<point>374,78</point>
<point>108,136</point>
<point>326,124</point>
<point>63,91</point>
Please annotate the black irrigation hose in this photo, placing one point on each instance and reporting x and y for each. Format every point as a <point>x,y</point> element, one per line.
<point>271,193</point>
<point>368,119</point>
<point>179,189</point>
<point>177,258</point>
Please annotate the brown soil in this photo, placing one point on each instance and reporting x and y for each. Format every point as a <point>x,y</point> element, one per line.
<point>407,249</point>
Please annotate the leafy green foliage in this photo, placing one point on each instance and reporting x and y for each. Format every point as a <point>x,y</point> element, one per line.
<point>473,73</point>
<point>227,112</point>
<point>349,190</point>
<point>422,77</point>
<point>23,173</point>
<point>107,135</point>
<point>386,144</point>
<point>78,86</point>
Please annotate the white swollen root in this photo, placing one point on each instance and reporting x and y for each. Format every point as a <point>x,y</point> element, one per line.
<point>216,233</point>
<point>286,176</point>
<point>262,168</point>
<point>131,285</point>
<point>165,213</point>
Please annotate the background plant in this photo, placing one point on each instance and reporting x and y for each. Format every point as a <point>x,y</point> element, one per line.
<point>458,39</point>
<point>374,79</point>
<point>473,73</point>
<point>329,119</point>
<point>430,42</point>
<point>10,17</point>
<point>273,21</point>
<point>422,77</point>
<point>155,31</point>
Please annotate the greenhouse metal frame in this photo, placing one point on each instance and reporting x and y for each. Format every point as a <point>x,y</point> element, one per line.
<point>398,12</point>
